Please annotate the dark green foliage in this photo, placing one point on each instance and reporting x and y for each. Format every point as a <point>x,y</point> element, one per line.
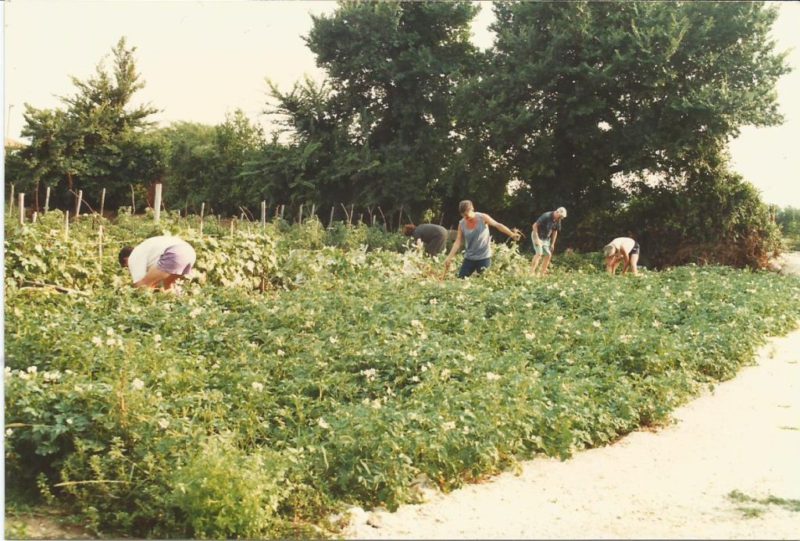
<point>97,141</point>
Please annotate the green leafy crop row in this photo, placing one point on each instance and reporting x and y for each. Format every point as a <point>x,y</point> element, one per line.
<point>253,411</point>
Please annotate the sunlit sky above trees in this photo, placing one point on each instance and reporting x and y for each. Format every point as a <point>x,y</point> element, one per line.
<point>201,60</point>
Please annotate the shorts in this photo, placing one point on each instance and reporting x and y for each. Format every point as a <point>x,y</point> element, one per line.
<point>544,249</point>
<point>635,249</point>
<point>177,259</point>
<point>469,266</point>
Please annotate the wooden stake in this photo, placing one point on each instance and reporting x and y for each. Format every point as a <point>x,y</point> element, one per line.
<point>47,199</point>
<point>330,220</point>
<point>313,210</point>
<point>263,214</point>
<point>66,225</point>
<point>157,204</point>
<point>232,220</point>
<point>202,211</point>
<point>300,216</point>
<point>100,241</point>
<point>35,215</point>
<point>11,200</point>
<point>78,204</point>
<point>102,201</point>
<point>384,218</point>
<point>350,218</point>
<point>21,208</point>
<point>282,209</point>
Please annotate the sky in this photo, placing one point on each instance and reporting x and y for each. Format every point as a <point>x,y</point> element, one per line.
<point>203,59</point>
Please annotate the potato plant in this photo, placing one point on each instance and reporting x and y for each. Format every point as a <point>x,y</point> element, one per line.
<point>292,378</point>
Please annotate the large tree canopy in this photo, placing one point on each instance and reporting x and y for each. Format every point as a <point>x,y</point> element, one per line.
<point>580,92</point>
<point>98,140</point>
<point>393,69</point>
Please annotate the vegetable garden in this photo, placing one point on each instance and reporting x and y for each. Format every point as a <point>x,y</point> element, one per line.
<point>304,369</point>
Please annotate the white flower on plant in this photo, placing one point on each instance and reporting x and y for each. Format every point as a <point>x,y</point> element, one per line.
<point>195,312</point>
<point>559,319</point>
<point>434,301</point>
<point>376,404</point>
<point>491,376</point>
<point>370,374</point>
<point>137,384</point>
<point>97,341</point>
<point>445,374</point>
<point>111,341</point>
<point>625,339</point>
<point>9,432</point>
<point>323,423</point>
<point>417,324</point>
<point>528,305</point>
<point>529,335</point>
<point>32,370</point>
<point>163,423</point>
<point>449,425</point>
<point>596,324</point>
<point>470,357</point>
<point>415,379</point>
<point>110,331</point>
<point>157,338</point>
<point>656,323</point>
<point>333,340</point>
<point>69,421</point>
<point>281,353</point>
<point>257,386</point>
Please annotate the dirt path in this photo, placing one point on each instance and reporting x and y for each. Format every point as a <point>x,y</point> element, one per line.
<point>675,483</point>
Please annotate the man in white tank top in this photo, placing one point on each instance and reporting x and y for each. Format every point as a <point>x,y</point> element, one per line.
<point>621,249</point>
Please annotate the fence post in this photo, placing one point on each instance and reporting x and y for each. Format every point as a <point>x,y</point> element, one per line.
<point>282,209</point>
<point>34,216</point>
<point>313,210</point>
<point>21,208</point>
<point>11,200</point>
<point>66,225</point>
<point>100,242</point>
<point>330,220</point>
<point>263,214</point>
<point>202,211</point>
<point>78,204</point>
<point>300,218</point>
<point>102,201</point>
<point>157,204</point>
<point>47,199</point>
<point>350,217</point>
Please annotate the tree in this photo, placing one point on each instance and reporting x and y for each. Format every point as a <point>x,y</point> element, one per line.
<point>208,164</point>
<point>392,70</point>
<point>583,93</point>
<point>98,140</point>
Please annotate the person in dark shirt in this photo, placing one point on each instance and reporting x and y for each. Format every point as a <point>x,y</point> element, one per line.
<point>544,233</point>
<point>432,236</point>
